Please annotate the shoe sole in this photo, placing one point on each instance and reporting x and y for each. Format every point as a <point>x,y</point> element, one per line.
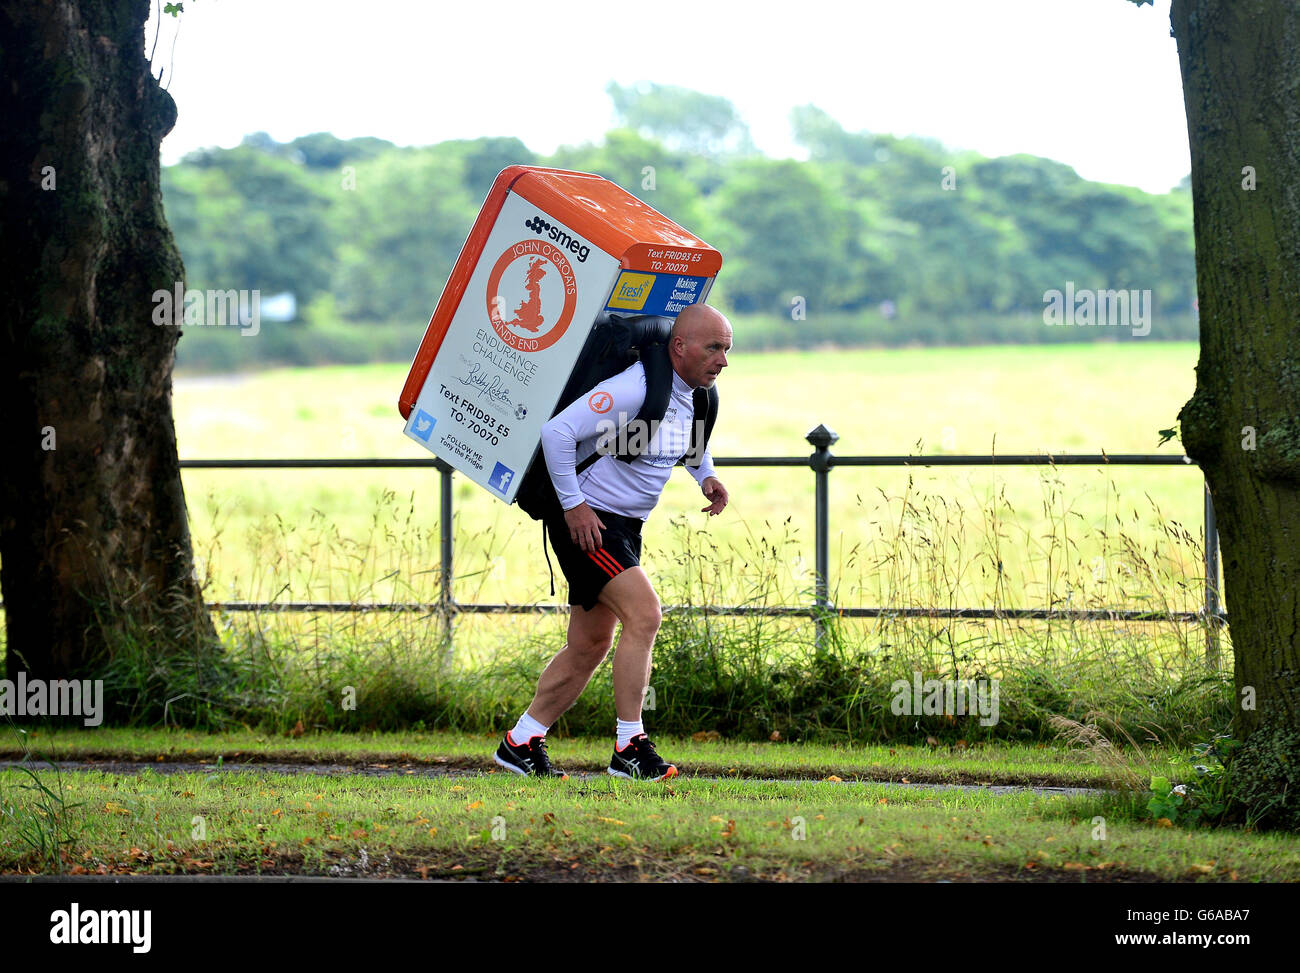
<point>672,772</point>
<point>509,766</point>
<point>523,773</point>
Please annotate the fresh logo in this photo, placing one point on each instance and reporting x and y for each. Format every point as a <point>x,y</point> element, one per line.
<point>559,237</point>
<point>500,478</point>
<point>422,425</point>
<point>631,291</point>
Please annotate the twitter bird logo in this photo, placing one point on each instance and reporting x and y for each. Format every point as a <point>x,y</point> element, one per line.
<point>423,425</point>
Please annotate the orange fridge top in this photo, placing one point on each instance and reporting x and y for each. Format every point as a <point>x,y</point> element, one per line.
<point>610,217</point>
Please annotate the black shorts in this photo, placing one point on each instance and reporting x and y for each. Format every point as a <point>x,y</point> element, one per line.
<point>589,571</point>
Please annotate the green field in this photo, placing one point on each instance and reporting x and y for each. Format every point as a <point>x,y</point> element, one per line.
<point>1108,537</point>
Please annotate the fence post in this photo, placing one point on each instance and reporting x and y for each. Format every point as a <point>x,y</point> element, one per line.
<point>446,604</point>
<point>822,439</point>
<point>1211,583</point>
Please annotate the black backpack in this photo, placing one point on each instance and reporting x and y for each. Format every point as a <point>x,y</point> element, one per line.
<point>610,348</point>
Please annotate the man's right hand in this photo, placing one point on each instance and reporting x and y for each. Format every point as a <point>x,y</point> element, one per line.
<point>584,526</point>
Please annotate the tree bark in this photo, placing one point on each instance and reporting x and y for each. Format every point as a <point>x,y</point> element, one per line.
<point>1240,62</point>
<point>94,540</point>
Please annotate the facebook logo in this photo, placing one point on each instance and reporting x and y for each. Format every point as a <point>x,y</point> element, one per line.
<point>500,478</point>
<point>422,426</point>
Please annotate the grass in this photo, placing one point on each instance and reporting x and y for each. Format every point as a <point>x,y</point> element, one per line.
<point>500,826</point>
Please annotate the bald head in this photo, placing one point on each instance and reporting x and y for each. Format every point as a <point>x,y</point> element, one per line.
<point>698,344</point>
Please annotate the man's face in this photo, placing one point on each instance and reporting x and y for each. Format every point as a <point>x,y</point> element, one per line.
<point>703,352</point>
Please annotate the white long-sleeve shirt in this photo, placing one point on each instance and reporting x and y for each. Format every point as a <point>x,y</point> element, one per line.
<point>593,422</point>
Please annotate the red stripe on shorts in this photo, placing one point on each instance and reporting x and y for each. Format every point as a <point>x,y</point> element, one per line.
<point>606,562</point>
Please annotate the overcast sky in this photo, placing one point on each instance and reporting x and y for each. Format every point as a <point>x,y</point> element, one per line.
<point>1092,83</point>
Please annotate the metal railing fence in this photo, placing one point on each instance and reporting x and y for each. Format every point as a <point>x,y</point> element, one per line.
<point>821,462</point>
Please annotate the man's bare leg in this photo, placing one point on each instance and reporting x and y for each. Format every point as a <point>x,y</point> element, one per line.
<point>632,599</point>
<point>591,633</point>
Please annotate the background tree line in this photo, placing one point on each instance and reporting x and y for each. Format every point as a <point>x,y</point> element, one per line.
<point>887,240</point>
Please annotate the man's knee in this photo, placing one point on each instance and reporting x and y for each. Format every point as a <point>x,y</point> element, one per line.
<point>592,647</point>
<point>645,618</point>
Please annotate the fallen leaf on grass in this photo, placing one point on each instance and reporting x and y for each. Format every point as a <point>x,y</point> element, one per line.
<point>359,833</point>
<point>835,780</point>
<point>611,820</point>
<point>472,806</point>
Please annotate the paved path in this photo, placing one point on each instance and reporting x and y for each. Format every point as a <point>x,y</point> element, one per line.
<point>444,770</point>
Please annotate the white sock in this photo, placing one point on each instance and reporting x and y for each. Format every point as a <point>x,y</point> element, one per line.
<point>526,729</point>
<point>626,731</point>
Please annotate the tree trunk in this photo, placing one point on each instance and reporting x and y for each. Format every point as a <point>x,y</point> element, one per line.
<point>1240,64</point>
<point>94,541</point>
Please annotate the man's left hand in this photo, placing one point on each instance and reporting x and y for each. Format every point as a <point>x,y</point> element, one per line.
<point>717,493</point>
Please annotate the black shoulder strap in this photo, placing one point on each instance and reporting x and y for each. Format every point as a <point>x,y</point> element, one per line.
<point>658,389</point>
<point>705,401</point>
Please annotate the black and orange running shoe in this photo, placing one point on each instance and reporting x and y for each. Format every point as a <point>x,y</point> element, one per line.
<point>527,759</point>
<point>639,761</point>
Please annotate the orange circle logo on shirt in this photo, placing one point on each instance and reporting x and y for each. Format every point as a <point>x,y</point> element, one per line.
<point>531,295</point>
<point>600,402</point>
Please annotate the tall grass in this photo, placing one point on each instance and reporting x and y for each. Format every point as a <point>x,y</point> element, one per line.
<point>749,676</point>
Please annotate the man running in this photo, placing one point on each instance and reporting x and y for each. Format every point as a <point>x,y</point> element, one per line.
<point>598,545</point>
